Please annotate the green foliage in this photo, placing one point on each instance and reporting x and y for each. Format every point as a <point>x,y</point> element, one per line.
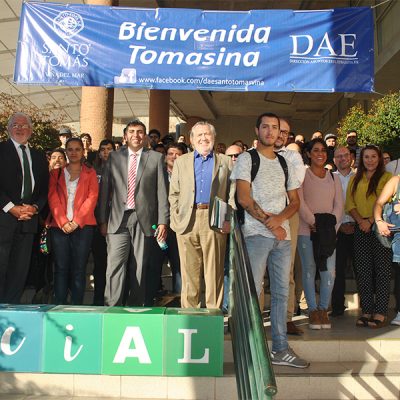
<point>380,126</point>
<point>45,132</point>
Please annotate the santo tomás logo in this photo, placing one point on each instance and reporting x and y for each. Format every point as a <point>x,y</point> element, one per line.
<point>67,24</point>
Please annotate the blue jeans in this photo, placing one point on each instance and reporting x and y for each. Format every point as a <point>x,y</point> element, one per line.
<point>71,252</point>
<point>265,251</point>
<point>309,270</point>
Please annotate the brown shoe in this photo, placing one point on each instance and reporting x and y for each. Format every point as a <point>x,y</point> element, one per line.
<point>325,322</point>
<point>314,320</point>
<point>292,329</point>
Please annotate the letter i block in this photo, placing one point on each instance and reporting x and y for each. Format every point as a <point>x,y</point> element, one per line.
<point>132,341</point>
<point>73,339</point>
<point>194,342</point>
<point>21,331</point>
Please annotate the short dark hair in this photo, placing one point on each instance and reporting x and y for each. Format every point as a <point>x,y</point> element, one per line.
<point>156,131</point>
<point>74,139</point>
<point>175,145</point>
<point>86,135</point>
<point>159,146</point>
<point>269,115</point>
<point>135,122</point>
<point>105,142</point>
<point>57,150</point>
<point>352,130</point>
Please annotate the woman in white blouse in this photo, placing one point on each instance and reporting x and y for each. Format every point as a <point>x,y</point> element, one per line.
<point>73,192</point>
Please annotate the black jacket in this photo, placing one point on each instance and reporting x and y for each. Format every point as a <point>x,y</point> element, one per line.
<point>324,239</point>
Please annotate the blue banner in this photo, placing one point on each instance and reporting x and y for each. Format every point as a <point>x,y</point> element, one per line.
<point>187,49</point>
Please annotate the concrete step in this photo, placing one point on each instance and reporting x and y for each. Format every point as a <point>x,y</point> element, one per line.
<point>343,343</point>
<point>322,380</point>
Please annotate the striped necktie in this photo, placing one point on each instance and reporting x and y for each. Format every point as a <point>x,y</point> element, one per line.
<point>130,201</point>
<point>27,192</point>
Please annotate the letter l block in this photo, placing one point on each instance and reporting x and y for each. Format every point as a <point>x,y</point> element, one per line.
<point>194,342</point>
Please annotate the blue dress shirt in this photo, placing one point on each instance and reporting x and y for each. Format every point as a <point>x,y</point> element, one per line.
<point>203,170</point>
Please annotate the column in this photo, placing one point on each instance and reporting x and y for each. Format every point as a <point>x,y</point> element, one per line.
<point>159,111</point>
<point>97,103</point>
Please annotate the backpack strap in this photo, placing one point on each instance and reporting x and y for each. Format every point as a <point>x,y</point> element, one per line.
<point>255,163</point>
<point>284,166</point>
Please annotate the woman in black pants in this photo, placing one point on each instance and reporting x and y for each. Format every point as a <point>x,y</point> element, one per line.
<point>391,192</point>
<point>372,261</point>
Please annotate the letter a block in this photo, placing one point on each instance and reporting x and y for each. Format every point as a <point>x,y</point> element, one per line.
<point>72,337</point>
<point>21,328</point>
<point>132,340</point>
<point>194,342</point>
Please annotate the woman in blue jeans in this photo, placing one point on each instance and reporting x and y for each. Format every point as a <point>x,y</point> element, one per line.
<point>320,193</point>
<point>73,192</point>
<point>390,192</point>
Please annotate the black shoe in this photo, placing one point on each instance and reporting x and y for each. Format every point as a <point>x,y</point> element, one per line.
<point>336,313</point>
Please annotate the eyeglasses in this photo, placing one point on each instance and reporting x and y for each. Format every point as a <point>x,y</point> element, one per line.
<point>25,126</point>
<point>284,132</point>
<point>233,155</point>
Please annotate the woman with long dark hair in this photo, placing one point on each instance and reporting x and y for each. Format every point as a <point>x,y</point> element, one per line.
<point>73,192</point>
<point>321,211</point>
<point>372,261</point>
<point>391,193</point>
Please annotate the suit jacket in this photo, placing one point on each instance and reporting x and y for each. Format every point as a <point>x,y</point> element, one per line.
<point>151,198</point>
<point>85,198</point>
<point>182,188</point>
<point>11,181</point>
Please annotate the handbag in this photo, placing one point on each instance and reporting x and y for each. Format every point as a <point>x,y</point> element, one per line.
<point>388,215</point>
<point>44,242</point>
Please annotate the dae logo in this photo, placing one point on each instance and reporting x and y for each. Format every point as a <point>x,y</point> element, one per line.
<point>67,24</point>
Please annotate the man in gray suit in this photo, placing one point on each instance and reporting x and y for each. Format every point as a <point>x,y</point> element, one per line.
<point>133,197</point>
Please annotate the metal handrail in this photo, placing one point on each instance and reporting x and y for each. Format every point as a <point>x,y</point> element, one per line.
<point>254,374</point>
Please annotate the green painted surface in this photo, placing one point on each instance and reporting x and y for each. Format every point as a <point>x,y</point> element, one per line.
<point>194,342</point>
<point>72,340</point>
<point>133,341</point>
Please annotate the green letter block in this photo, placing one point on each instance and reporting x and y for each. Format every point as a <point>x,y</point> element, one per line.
<point>132,341</point>
<point>194,342</point>
<point>72,339</point>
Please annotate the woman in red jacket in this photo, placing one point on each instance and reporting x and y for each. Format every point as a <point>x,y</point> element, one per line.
<point>73,192</point>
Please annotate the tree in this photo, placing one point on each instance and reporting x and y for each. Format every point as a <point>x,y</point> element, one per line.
<point>380,125</point>
<point>45,123</point>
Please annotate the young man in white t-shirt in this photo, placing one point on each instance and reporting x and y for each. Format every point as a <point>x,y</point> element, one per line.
<point>269,203</point>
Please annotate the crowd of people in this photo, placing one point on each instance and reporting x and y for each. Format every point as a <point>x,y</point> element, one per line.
<point>149,199</point>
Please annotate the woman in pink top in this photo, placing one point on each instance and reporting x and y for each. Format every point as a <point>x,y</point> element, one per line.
<point>321,193</point>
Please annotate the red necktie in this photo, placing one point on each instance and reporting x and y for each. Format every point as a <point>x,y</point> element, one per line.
<point>130,201</point>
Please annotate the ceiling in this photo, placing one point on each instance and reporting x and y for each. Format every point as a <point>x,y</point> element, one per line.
<point>130,103</point>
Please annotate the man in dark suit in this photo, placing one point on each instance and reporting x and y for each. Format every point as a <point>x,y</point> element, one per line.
<point>133,198</point>
<point>23,193</point>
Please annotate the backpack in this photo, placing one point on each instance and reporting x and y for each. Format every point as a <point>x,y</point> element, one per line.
<point>255,166</point>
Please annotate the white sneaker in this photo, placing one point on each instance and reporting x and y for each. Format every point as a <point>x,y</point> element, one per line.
<point>396,320</point>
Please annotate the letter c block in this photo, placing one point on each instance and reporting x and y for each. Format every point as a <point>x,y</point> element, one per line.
<point>21,329</point>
